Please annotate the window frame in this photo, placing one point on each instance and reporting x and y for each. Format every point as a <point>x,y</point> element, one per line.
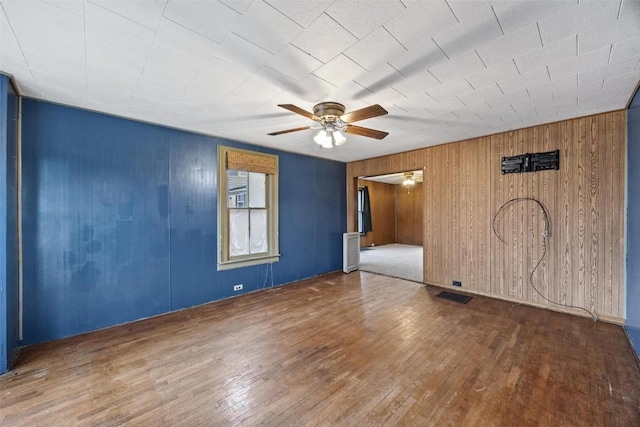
<point>225,261</point>
<point>360,204</point>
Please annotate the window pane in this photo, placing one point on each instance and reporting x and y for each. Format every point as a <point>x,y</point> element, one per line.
<point>360,193</point>
<point>238,232</point>
<point>259,231</point>
<point>257,190</point>
<point>237,182</point>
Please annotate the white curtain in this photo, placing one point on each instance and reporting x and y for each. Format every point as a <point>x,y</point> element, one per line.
<point>238,232</point>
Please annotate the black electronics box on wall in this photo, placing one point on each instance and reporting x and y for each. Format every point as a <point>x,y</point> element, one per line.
<point>549,160</point>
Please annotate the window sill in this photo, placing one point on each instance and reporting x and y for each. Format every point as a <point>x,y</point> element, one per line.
<point>230,265</point>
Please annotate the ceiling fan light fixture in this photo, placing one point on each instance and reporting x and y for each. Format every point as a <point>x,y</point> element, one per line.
<point>323,138</point>
<point>333,122</point>
<point>339,138</point>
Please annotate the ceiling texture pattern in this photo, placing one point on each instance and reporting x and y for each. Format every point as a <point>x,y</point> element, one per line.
<point>446,70</point>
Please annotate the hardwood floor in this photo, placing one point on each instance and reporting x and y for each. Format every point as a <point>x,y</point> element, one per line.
<point>356,349</point>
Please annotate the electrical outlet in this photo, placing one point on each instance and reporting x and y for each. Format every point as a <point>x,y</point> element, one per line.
<point>457,283</point>
<point>237,287</point>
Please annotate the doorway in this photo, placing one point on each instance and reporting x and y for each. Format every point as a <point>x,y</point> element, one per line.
<point>393,245</point>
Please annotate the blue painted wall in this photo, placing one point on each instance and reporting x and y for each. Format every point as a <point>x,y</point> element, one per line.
<point>4,320</point>
<point>633,222</point>
<point>120,221</point>
<point>9,303</point>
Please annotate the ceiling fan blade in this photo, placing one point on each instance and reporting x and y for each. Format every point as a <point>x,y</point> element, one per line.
<point>300,111</point>
<point>364,113</point>
<point>288,131</point>
<point>371,133</point>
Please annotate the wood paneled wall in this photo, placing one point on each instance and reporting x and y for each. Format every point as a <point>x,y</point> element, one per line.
<point>409,208</point>
<point>383,206</point>
<point>463,190</point>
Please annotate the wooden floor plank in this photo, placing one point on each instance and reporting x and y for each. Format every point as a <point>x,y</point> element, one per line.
<point>356,349</point>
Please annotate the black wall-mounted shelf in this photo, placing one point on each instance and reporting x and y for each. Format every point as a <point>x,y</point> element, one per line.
<point>535,162</point>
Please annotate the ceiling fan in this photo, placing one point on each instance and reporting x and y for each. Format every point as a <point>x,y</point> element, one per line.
<point>333,121</point>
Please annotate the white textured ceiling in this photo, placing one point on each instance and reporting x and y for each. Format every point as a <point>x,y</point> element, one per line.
<point>446,70</point>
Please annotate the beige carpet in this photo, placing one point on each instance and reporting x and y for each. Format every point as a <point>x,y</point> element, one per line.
<point>396,260</point>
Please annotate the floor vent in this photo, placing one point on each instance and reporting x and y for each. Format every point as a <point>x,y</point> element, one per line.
<point>350,252</point>
<point>452,296</point>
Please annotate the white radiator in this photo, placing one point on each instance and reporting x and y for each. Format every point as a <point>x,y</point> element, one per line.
<point>350,252</point>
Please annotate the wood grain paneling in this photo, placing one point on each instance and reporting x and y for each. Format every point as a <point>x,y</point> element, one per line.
<point>584,260</point>
<point>383,207</point>
<point>463,190</point>
<point>437,205</point>
<point>462,216</point>
<point>409,209</point>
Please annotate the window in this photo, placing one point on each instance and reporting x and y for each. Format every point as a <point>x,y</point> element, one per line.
<point>364,211</point>
<point>247,208</point>
<point>360,209</point>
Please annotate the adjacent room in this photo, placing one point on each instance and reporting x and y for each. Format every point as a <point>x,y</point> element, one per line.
<point>390,217</point>
<point>341,212</point>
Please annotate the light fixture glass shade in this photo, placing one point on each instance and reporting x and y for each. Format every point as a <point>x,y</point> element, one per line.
<point>322,137</point>
<point>338,138</point>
